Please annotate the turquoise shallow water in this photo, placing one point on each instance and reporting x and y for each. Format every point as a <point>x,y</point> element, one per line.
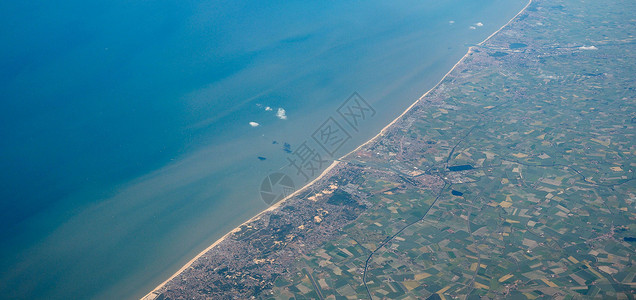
<point>125,137</point>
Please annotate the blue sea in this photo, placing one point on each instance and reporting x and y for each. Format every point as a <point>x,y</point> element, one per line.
<point>133,134</point>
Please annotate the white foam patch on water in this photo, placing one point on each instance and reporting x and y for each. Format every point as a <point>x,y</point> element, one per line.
<point>281,114</point>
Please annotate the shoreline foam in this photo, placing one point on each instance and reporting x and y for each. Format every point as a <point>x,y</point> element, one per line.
<point>334,164</point>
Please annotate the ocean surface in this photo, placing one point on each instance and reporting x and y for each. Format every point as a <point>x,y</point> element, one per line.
<point>125,138</point>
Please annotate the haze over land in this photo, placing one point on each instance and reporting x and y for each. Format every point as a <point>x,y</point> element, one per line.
<point>513,178</point>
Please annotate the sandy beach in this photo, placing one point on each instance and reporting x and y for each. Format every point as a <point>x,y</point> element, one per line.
<point>152,294</point>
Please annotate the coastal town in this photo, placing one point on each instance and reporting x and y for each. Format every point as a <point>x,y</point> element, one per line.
<point>514,177</point>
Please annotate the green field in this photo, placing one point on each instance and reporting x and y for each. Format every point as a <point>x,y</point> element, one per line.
<point>545,113</point>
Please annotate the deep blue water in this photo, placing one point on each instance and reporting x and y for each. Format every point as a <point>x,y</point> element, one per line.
<point>125,144</point>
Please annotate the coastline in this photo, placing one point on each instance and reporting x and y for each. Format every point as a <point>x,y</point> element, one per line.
<point>151,295</point>
<point>254,218</point>
<point>469,52</point>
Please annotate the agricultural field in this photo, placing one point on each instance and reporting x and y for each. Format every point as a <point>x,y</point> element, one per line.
<point>512,178</point>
